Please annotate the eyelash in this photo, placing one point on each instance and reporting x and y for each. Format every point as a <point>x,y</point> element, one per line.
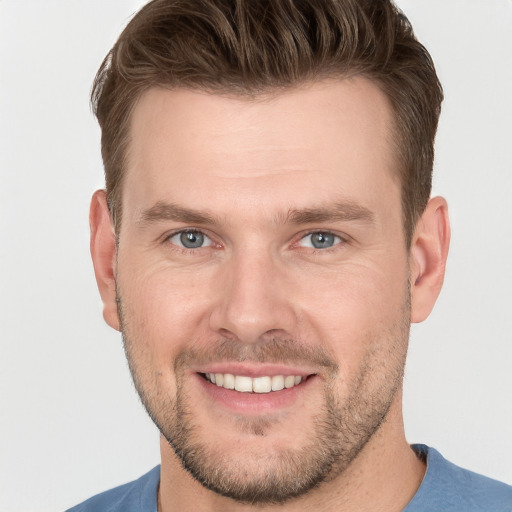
<point>187,250</point>
<point>326,250</point>
<point>337,246</point>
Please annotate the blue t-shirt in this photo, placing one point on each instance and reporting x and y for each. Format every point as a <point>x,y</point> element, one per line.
<point>445,488</point>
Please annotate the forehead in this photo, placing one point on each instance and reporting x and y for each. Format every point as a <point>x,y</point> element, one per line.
<point>331,137</point>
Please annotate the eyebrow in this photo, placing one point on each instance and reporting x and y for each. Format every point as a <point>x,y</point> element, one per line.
<point>340,212</point>
<point>163,211</point>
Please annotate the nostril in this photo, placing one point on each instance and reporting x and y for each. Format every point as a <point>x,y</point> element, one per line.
<point>225,333</point>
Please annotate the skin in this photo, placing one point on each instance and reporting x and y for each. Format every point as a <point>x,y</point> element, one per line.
<point>259,299</point>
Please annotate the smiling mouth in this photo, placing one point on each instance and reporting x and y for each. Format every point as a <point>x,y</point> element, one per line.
<point>245,384</point>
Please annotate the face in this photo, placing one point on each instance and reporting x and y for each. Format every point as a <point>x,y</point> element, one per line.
<point>262,281</point>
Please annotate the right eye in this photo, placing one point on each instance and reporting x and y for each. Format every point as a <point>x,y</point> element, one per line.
<point>190,239</point>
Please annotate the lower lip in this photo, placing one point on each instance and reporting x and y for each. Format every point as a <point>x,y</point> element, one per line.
<point>254,403</point>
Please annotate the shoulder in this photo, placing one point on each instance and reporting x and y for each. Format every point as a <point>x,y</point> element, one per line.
<point>137,496</point>
<point>450,488</point>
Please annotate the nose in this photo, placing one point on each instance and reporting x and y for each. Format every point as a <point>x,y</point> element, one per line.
<point>254,299</point>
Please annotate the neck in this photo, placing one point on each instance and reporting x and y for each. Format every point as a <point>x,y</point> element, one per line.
<point>383,477</point>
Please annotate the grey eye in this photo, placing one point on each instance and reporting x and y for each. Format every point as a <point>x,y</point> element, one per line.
<point>320,240</point>
<point>190,239</point>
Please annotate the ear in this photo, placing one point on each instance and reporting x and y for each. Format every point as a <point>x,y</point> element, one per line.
<point>103,252</point>
<point>429,250</point>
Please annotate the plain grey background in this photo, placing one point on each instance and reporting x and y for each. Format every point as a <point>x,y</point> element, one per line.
<point>70,421</point>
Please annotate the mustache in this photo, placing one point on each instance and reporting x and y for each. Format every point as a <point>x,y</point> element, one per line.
<point>272,350</point>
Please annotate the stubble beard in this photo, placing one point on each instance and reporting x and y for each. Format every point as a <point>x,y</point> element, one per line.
<point>340,429</point>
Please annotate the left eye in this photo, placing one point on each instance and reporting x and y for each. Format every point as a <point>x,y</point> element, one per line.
<point>320,240</point>
<point>190,239</point>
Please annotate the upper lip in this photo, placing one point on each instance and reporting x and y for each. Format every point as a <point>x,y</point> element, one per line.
<point>255,369</point>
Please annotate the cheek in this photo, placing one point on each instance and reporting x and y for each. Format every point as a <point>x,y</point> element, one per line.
<point>351,310</point>
<point>164,309</point>
<point>160,318</point>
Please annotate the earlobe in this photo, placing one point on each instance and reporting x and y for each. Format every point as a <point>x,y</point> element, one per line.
<point>429,251</point>
<point>103,252</point>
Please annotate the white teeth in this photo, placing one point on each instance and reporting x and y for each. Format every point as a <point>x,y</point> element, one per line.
<point>262,384</point>
<point>277,383</point>
<point>229,381</point>
<point>257,385</point>
<point>243,384</point>
<point>289,381</point>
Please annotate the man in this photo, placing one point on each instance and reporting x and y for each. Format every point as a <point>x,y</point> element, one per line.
<point>265,239</point>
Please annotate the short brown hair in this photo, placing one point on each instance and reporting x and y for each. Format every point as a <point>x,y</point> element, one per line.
<point>248,47</point>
